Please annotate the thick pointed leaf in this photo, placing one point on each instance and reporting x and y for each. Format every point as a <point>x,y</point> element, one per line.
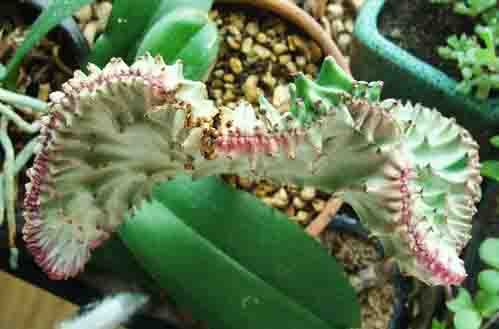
<point>202,278</point>
<point>129,19</point>
<point>490,169</point>
<point>186,34</point>
<point>265,242</point>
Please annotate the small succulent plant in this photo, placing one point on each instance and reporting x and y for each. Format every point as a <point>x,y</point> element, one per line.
<point>490,168</point>
<point>480,310</point>
<point>410,174</point>
<point>475,55</point>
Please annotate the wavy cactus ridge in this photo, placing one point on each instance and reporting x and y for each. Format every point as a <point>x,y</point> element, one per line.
<point>94,162</point>
<point>430,186</point>
<point>112,135</point>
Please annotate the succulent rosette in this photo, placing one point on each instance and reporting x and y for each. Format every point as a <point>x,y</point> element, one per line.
<point>411,174</point>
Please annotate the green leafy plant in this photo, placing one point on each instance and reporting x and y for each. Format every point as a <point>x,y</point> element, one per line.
<point>476,55</point>
<point>174,29</point>
<point>216,240</point>
<point>411,175</point>
<point>490,168</point>
<point>482,309</point>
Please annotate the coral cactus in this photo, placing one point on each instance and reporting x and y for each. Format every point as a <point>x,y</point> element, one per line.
<point>411,174</point>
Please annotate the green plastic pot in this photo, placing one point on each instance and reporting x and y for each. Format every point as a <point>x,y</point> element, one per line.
<point>409,78</point>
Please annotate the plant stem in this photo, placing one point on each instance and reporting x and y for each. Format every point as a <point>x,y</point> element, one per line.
<point>491,321</point>
<point>10,189</point>
<point>18,100</point>
<point>29,128</point>
<point>21,160</point>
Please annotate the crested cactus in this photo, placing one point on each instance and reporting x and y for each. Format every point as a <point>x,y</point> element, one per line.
<point>411,174</point>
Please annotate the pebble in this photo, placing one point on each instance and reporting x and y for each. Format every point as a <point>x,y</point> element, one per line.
<point>335,10</point>
<point>229,77</point>
<point>269,79</point>
<point>301,216</point>
<point>218,73</point>
<point>250,89</point>
<point>318,204</point>
<point>262,52</point>
<point>229,95</point>
<point>349,25</point>
<point>308,193</point>
<point>279,48</point>
<point>252,28</point>
<point>280,198</point>
<point>261,38</point>
<point>245,182</point>
<point>235,65</point>
<point>284,59</point>
<point>301,61</point>
<point>233,43</point>
<point>247,45</point>
<point>281,98</point>
<point>338,27</point>
<point>217,83</point>
<point>292,69</point>
<point>298,203</point>
<point>344,41</point>
<point>232,29</point>
<point>295,42</point>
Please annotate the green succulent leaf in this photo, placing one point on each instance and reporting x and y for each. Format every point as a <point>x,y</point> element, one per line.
<point>488,252</point>
<point>435,324</point>
<point>495,141</point>
<point>3,72</point>
<point>188,35</point>
<point>57,11</point>
<point>490,169</point>
<point>137,26</point>
<point>486,303</point>
<point>467,319</point>
<point>129,19</point>
<point>247,251</point>
<point>489,281</point>
<point>462,302</point>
